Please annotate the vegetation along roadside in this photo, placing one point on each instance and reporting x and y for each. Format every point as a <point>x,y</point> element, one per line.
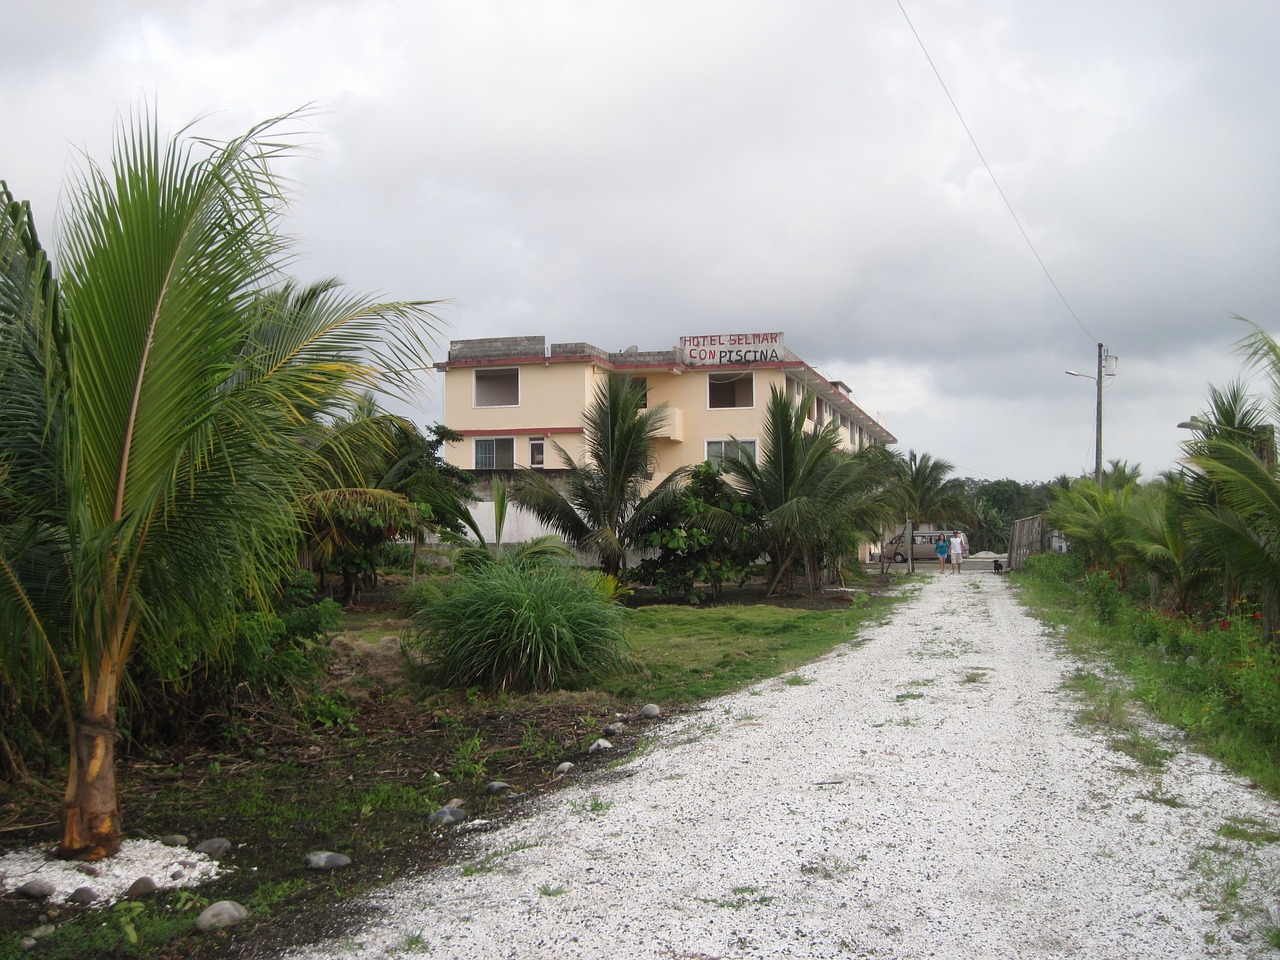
<point>1215,679</point>
<point>376,750</point>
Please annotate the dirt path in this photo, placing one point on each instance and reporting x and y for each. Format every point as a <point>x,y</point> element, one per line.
<point>925,794</point>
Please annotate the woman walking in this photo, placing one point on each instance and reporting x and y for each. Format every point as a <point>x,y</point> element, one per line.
<point>940,548</point>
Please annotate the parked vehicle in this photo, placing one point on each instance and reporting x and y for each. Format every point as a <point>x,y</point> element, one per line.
<point>922,545</point>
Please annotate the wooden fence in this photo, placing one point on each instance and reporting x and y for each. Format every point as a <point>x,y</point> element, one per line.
<point>1029,535</point>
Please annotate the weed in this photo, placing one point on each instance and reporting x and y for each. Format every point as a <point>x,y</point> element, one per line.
<point>127,914</point>
<point>797,680</point>
<point>1142,748</point>
<point>186,899</point>
<point>397,796</point>
<point>330,711</point>
<point>740,898</point>
<point>1158,795</point>
<point>489,862</point>
<point>1084,682</point>
<point>1110,708</point>
<point>979,675</point>
<point>827,868</point>
<point>1248,830</point>
<point>547,890</point>
<point>413,943</point>
<point>539,744</point>
<point>468,761</point>
<point>909,696</point>
<point>593,806</point>
<point>268,894</point>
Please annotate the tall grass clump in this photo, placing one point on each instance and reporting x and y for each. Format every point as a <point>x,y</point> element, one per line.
<point>520,627</point>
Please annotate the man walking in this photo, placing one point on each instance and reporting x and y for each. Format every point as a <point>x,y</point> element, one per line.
<point>957,551</point>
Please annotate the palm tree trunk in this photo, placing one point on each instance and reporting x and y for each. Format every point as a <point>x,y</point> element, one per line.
<point>91,826</point>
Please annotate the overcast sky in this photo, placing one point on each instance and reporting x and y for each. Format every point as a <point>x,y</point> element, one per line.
<point>631,172</point>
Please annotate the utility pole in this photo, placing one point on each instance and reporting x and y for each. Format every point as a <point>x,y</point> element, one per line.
<point>1097,454</point>
<point>1106,368</point>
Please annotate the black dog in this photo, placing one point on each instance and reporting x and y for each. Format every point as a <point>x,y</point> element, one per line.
<point>999,567</point>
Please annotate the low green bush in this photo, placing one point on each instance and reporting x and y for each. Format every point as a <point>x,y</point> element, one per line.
<point>394,555</point>
<point>1060,567</point>
<point>1104,595</point>
<point>512,626</point>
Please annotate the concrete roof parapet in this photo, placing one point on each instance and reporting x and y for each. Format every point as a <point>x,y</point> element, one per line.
<point>578,349</point>
<point>497,348</point>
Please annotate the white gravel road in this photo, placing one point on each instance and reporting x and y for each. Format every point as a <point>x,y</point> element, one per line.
<point>927,793</point>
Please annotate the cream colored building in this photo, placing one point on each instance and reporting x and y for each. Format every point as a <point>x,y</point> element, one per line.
<point>512,398</point>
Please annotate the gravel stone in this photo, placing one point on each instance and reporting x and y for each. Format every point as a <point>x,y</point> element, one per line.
<point>979,820</point>
<point>447,815</point>
<point>218,915</point>
<point>214,846</point>
<point>141,887</point>
<point>327,860</point>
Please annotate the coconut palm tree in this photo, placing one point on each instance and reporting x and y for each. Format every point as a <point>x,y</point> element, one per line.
<point>811,499</point>
<point>604,501</point>
<point>924,492</point>
<point>1154,533</point>
<point>1238,523</point>
<point>174,398</point>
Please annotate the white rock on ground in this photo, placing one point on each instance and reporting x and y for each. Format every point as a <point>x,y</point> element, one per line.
<point>928,794</point>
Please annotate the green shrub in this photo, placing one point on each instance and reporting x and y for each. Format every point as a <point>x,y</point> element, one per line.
<point>509,626</point>
<point>394,555</point>
<point>1052,567</point>
<point>1103,594</point>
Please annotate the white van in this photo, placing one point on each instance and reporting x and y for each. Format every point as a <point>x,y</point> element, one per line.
<point>922,545</point>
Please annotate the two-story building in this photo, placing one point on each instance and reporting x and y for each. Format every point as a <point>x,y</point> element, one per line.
<point>511,398</point>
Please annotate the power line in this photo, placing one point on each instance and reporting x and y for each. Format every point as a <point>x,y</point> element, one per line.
<point>991,174</point>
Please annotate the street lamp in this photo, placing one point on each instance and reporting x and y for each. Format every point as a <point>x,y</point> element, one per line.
<point>1106,368</point>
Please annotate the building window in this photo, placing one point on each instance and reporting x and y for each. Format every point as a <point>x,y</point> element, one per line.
<point>498,388</point>
<point>727,390</point>
<point>536,453</point>
<point>717,450</point>
<point>497,453</point>
<point>644,391</point>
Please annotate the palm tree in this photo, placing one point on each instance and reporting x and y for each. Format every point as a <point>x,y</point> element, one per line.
<point>811,499</point>
<point>1238,523</point>
<point>604,502</point>
<point>923,493</point>
<point>1153,531</point>
<point>1091,517</point>
<point>174,401</point>
<point>378,477</point>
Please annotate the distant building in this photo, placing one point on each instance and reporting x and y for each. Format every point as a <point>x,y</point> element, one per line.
<point>511,398</point>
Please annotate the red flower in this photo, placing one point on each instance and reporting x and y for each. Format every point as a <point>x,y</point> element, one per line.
<point>1224,625</point>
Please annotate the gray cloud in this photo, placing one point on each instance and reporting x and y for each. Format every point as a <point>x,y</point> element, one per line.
<point>627,173</point>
